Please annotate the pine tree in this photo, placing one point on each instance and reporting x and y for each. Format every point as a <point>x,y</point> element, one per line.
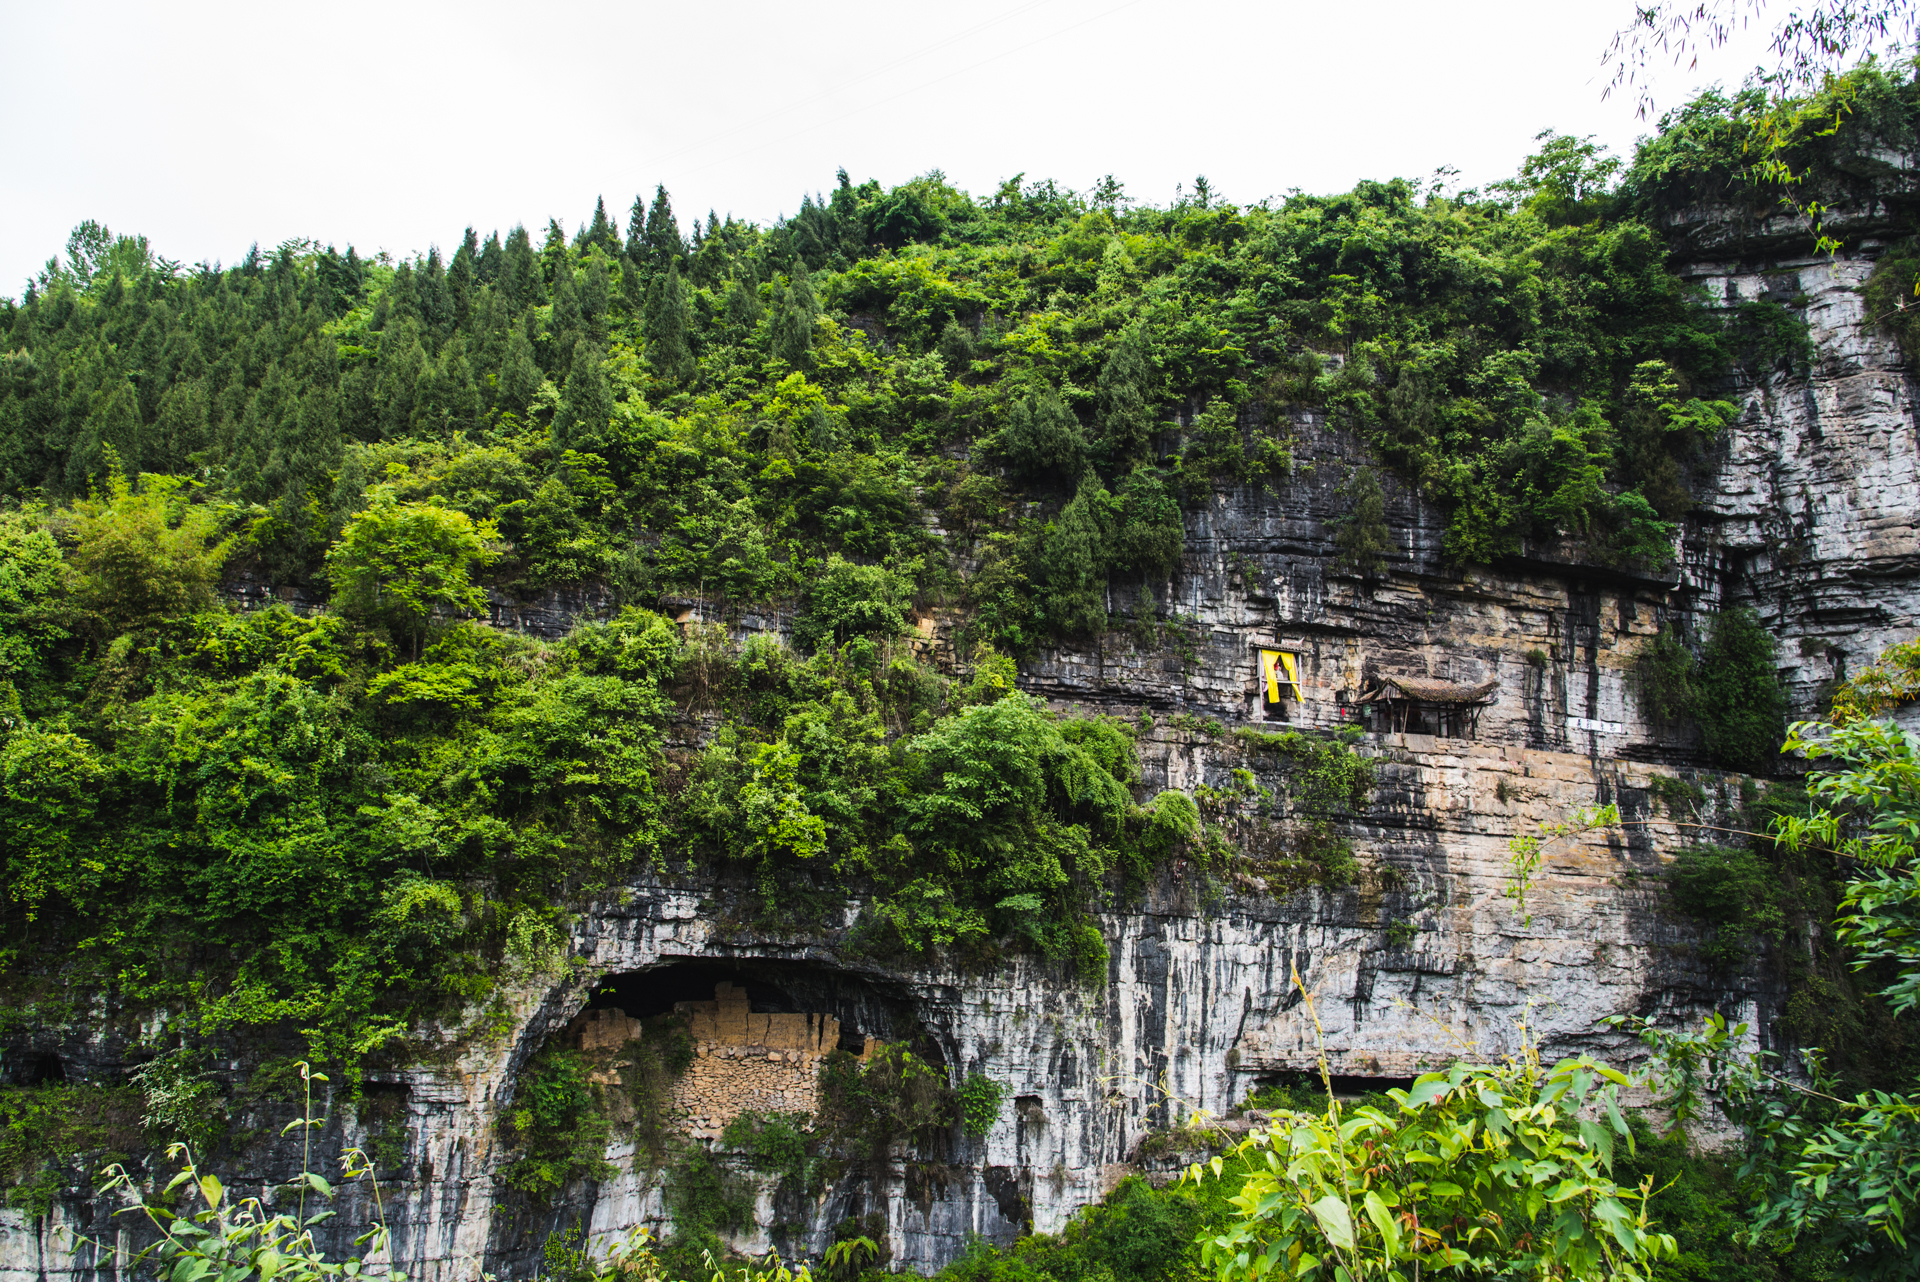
<point>1075,601</point>
<point>519,274</point>
<point>1125,416</point>
<point>519,378</point>
<point>666,328</point>
<point>661,239</point>
<point>587,403</point>
<point>1042,438</point>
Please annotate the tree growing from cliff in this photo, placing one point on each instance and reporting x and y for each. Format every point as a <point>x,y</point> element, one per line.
<point>1736,692</point>
<point>399,562</point>
<point>1361,536</point>
<point>143,554</point>
<point>1810,45</point>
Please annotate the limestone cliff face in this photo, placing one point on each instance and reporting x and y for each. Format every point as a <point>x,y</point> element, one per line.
<point>1808,513</point>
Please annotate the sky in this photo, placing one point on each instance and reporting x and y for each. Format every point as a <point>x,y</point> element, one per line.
<point>212,126</point>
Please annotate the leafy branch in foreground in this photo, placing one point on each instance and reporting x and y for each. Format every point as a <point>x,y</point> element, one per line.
<point>1475,1170</point>
<point>1842,1171</point>
<point>230,1241</point>
<point>1524,853</point>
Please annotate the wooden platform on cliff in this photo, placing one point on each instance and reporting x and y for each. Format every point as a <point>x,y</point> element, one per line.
<point>1453,706</point>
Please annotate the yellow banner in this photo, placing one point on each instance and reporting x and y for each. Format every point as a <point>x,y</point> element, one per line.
<point>1277,669</point>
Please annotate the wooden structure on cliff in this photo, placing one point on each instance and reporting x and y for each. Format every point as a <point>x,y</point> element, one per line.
<point>1451,708</point>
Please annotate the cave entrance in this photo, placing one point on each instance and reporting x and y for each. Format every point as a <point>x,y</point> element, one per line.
<point>1346,1086</point>
<point>643,994</point>
<point>31,1068</point>
<point>771,987</point>
<point>699,1042</point>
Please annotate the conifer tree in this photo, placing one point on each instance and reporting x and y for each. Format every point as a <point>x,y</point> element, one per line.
<point>743,303</point>
<point>596,292</point>
<point>461,280</point>
<point>180,430</point>
<point>519,378</point>
<point>793,323</point>
<point>486,267</point>
<point>803,296</point>
<point>457,394</point>
<point>433,301</point>
<point>1361,535</point>
<point>586,404</point>
<point>1042,438</point>
<point>956,347</point>
<point>112,423</point>
<point>399,387</point>
<point>1075,600</point>
<point>636,246</point>
<point>1126,419</point>
<point>600,230</point>
<point>633,285</point>
<point>661,239</point>
<point>519,275</point>
<point>709,264</point>
<point>568,322</point>
<point>666,327</point>
<point>553,254</point>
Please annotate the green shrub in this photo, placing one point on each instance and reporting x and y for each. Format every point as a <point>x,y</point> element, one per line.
<point>556,1127</point>
<point>848,600</point>
<point>1732,890</point>
<point>704,1200</point>
<point>652,1064</point>
<point>1361,535</point>
<point>1737,697</point>
<point>1663,677</point>
<point>60,1133</point>
<point>893,1094</point>
<point>980,1098</point>
<point>145,554</point>
<point>775,1144</point>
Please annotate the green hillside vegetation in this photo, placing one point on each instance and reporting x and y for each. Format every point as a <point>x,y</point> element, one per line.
<point>312,833</point>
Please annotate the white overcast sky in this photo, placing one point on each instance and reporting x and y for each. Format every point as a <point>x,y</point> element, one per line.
<point>392,125</point>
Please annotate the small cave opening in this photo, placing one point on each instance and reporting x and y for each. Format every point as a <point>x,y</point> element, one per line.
<point>31,1068</point>
<point>1345,1085</point>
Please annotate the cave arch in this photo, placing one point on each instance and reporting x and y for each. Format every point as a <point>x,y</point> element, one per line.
<point>774,986</point>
